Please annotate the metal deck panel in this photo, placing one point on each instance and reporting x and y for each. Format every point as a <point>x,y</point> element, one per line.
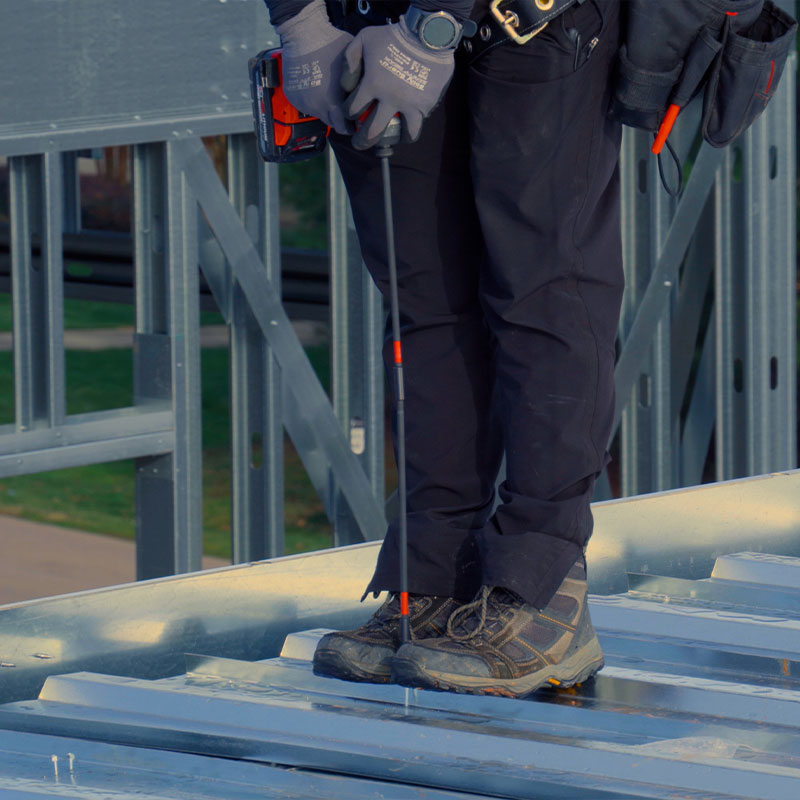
<point>246,611</point>
<point>629,733</point>
<point>714,593</point>
<point>35,766</point>
<point>761,568</point>
<point>616,689</point>
<point>699,696</point>
<point>498,746</point>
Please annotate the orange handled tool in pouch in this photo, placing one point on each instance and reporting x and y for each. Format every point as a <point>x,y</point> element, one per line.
<point>666,128</point>
<point>284,134</point>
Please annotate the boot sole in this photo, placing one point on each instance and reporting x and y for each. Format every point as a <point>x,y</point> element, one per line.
<point>582,665</point>
<point>331,664</point>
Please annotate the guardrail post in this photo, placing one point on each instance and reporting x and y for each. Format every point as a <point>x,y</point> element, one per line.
<point>38,297</point>
<point>256,416</point>
<point>755,276</point>
<point>166,363</point>
<point>357,381</point>
<point>155,489</point>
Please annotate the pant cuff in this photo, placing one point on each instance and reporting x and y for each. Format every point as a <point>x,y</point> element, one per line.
<point>532,565</point>
<point>442,562</point>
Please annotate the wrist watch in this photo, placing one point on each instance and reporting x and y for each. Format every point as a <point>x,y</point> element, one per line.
<point>437,30</point>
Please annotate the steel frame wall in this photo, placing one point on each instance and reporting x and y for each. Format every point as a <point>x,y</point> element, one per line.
<point>713,276</point>
<point>734,225</point>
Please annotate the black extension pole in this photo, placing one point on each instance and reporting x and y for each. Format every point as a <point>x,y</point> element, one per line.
<point>384,152</point>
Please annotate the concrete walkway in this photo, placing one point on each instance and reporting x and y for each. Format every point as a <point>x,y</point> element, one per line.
<point>39,560</point>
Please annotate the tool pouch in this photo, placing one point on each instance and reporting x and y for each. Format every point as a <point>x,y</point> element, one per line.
<point>746,74</point>
<point>667,51</point>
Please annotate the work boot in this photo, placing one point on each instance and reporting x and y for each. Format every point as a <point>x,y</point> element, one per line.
<point>499,644</point>
<point>365,654</point>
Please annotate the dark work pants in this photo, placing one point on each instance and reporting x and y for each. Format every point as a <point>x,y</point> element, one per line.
<point>510,278</point>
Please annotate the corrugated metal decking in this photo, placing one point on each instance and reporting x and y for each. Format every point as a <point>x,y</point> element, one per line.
<point>700,698</point>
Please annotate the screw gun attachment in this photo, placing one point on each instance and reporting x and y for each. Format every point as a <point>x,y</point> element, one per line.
<point>384,149</point>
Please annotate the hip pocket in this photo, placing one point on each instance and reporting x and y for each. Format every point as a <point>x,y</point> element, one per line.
<point>746,75</point>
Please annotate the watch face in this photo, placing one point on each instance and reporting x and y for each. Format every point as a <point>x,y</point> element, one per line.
<point>438,31</point>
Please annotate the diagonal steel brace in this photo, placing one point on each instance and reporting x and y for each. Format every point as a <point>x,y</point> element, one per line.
<point>316,417</point>
<point>651,309</point>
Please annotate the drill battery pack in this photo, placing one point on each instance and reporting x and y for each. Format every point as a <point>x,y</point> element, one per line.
<point>284,134</point>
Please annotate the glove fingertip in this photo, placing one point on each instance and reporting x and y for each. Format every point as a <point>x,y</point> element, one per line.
<point>358,143</point>
<point>350,77</point>
<point>355,105</point>
<point>412,127</point>
<point>353,55</point>
<point>340,124</point>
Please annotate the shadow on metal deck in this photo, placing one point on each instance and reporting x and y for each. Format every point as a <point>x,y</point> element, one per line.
<point>200,686</point>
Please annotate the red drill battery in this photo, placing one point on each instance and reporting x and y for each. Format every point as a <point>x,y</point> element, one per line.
<point>284,134</point>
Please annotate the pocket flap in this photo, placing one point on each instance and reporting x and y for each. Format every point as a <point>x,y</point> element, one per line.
<point>746,75</point>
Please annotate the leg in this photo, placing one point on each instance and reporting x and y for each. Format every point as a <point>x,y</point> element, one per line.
<point>547,192</point>
<point>452,436</point>
<point>544,169</point>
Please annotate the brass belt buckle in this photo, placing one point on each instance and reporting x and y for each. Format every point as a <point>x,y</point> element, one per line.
<point>509,21</point>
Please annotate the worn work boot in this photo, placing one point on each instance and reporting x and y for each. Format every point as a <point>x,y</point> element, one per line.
<point>501,645</point>
<point>365,654</point>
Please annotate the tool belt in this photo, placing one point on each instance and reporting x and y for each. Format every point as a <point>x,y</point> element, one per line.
<point>506,21</point>
<point>513,21</point>
<point>733,51</point>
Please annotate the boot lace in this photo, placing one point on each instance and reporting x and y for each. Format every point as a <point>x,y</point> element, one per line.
<point>489,604</point>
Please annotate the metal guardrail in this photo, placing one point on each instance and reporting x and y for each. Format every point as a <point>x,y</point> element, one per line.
<point>735,222</point>
<point>99,266</point>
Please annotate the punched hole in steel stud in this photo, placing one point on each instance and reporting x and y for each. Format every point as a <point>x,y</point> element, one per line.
<point>256,451</point>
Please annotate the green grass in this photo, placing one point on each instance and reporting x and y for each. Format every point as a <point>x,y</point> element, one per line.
<point>86,314</point>
<point>100,498</point>
<point>304,201</point>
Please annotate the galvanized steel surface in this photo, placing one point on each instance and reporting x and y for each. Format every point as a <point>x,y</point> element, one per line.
<point>33,766</point>
<point>144,629</point>
<point>106,72</point>
<point>636,731</point>
<point>245,612</point>
<point>700,696</point>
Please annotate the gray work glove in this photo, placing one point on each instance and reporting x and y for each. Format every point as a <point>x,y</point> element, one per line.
<point>386,66</point>
<point>312,65</point>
